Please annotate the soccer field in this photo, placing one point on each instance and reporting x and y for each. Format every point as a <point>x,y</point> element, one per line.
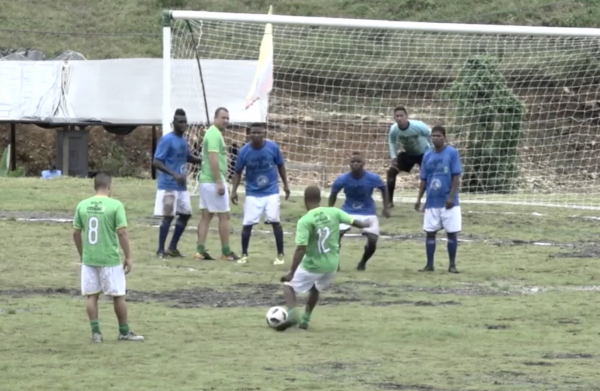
<point>522,315</point>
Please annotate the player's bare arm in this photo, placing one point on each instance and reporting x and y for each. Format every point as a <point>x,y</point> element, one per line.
<point>453,190</point>
<point>237,178</point>
<point>298,256</point>
<point>124,243</point>
<point>284,180</point>
<point>332,198</point>
<point>213,161</point>
<point>160,165</point>
<point>191,158</point>
<point>422,187</point>
<point>78,242</point>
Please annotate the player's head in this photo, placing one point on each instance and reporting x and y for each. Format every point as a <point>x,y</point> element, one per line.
<point>221,119</point>
<point>357,162</point>
<point>438,136</point>
<point>103,183</point>
<point>180,123</point>
<point>312,197</point>
<point>401,116</point>
<point>257,134</point>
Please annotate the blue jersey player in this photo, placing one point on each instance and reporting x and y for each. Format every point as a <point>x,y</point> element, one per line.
<point>358,186</point>
<point>262,160</point>
<point>170,159</point>
<point>440,178</point>
<point>414,138</point>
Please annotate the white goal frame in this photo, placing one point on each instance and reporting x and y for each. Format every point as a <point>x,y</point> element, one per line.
<point>457,28</point>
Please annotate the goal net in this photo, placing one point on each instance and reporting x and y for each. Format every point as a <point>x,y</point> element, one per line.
<point>520,103</point>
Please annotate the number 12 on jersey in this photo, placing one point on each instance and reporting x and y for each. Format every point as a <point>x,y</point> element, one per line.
<point>92,230</point>
<point>322,236</point>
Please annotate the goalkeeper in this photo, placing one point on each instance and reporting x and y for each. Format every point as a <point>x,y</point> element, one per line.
<point>414,138</point>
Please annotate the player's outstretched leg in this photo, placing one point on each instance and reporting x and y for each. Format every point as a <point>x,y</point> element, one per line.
<point>452,247</point>
<point>278,233</point>
<point>92,311</point>
<point>163,232</point>
<point>430,249</point>
<point>180,225</point>
<point>290,302</point>
<point>203,225</point>
<point>313,299</point>
<point>125,334</point>
<point>370,248</point>
<point>246,233</point>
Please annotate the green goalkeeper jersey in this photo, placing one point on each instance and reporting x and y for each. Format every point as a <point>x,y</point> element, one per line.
<point>319,231</point>
<point>99,218</point>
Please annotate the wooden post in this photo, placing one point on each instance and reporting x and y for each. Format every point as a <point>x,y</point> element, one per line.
<point>12,165</point>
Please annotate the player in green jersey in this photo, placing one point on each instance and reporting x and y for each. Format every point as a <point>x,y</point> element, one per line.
<point>100,226</point>
<point>317,257</point>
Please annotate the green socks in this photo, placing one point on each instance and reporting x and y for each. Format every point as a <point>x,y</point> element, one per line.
<point>306,317</point>
<point>123,329</point>
<point>95,325</point>
<point>201,249</point>
<point>226,250</point>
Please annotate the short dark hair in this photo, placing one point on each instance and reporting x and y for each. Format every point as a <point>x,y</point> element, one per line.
<point>179,112</point>
<point>400,108</point>
<point>258,125</point>
<point>356,153</point>
<point>440,129</point>
<point>102,180</point>
<point>312,193</point>
<point>218,111</point>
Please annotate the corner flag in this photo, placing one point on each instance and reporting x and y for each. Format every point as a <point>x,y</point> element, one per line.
<point>263,79</point>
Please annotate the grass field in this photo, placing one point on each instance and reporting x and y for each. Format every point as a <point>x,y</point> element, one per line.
<point>520,316</point>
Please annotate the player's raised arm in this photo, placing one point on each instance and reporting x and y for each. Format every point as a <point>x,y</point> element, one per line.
<point>240,164</point>
<point>393,141</point>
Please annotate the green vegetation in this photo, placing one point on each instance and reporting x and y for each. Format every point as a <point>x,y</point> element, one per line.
<point>519,317</point>
<point>493,130</point>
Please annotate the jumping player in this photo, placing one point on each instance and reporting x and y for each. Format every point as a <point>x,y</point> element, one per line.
<point>358,186</point>
<point>440,177</point>
<point>170,159</point>
<point>316,258</point>
<point>103,223</point>
<point>262,160</point>
<point>414,138</point>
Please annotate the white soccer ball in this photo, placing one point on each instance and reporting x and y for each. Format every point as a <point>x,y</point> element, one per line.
<point>276,316</point>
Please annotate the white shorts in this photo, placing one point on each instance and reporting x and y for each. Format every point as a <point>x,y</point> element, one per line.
<point>255,207</point>
<point>171,203</point>
<point>211,200</point>
<point>109,280</point>
<point>304,281</point>
<point>373,229</point>
<point>437,218</point>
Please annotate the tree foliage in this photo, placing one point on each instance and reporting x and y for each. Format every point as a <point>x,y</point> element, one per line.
<point>487,120</point>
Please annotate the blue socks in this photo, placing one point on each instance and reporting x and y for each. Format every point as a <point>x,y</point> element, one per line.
<point>180,225</point>
<point>246,232</point>
<point>163,232</point>
<point>430,248</point>
<point>278,232</point>
<point>452,246</point>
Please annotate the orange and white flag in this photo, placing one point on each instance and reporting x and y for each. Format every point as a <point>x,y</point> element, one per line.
<point>263,79</point>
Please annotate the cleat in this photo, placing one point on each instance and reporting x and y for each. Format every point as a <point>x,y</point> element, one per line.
<point>453,269</point>
<point>131,336</point>
<point>243,259</point>
<point>97,338</point>
<point>280,260</point>
<point>361,266</point>
<point>203,257</point>
<point>427,269</point>
<point>161,255</point>
<point>229,257</point>
<point>174,254</point>
<point>303,325</point>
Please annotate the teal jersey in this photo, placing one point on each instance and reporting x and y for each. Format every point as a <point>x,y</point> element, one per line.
<point>414,140</point>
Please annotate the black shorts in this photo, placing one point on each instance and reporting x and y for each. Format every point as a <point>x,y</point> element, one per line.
<point>405,162</point>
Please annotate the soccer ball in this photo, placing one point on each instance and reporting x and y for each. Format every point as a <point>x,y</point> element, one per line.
<point>276,316</point>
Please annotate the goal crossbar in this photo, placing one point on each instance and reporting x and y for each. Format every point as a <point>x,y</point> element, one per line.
<point>456,28</point>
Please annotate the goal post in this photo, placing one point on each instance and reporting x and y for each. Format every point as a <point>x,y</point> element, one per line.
<point>519,102</point>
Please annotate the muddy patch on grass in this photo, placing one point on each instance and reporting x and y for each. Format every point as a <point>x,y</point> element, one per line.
<point>411,387</point>
<point>415,303</point>
<point>470,290</point>
<point>567,356</point>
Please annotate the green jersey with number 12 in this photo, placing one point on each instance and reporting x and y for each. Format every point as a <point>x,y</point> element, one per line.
<point>319,231</point>
<point>99,218</point>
